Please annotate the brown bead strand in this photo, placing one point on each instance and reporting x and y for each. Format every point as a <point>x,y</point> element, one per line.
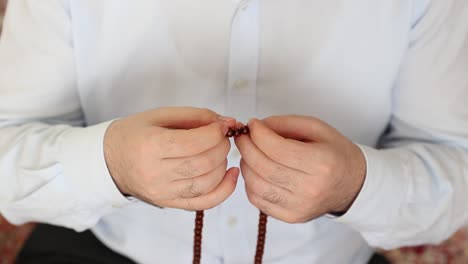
<point>236,132</point>
<point>197,240</point>
<point>262,228</point>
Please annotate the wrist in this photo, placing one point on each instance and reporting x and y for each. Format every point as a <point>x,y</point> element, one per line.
<point>110,155</point>
<point>356,181</point>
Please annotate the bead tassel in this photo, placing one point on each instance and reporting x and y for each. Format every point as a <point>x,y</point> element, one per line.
<point>262,223</point>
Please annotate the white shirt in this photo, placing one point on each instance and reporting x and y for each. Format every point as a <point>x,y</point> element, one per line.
<point>68,67</point>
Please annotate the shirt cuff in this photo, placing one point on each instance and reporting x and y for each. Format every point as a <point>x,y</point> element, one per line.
<point>82,154</point>
<point>374,211</point>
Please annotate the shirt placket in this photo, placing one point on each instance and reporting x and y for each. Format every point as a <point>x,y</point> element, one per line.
<point>241,104</point>
<point>243,61</point>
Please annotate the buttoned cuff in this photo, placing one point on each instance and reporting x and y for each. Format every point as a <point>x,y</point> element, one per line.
<point>82,154</point>
<point>374,211</point>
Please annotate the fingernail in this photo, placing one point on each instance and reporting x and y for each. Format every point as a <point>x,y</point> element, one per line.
<point>235,176</point>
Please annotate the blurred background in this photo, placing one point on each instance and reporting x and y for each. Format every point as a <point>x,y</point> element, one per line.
<point>452,251</point>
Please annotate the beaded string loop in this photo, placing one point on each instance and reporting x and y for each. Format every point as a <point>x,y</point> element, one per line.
<point>262,223</point>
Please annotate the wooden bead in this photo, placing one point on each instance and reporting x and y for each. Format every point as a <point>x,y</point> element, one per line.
<point>237,132</point>
<point>230,133</point>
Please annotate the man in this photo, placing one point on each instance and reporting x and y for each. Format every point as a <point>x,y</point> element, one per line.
<point>356,109</point>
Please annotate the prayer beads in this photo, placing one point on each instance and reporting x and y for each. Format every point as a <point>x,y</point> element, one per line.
<point>262,223</point>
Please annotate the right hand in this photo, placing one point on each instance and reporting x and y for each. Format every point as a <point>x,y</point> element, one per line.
<point>172,157</point>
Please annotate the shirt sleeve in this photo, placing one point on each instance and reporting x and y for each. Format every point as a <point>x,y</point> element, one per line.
<point>416,187</point>
<point>52,167</point>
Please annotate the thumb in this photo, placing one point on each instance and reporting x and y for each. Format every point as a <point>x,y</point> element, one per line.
<point>186,117</point>
<point>302,128</point>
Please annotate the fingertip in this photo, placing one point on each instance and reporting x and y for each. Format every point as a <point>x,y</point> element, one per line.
<point>255,124</point>
<point>252,121</point>
<point>227,119</point>
<point>234,173</point>
<point>224,128</point>
<point>271,119</point>
<point>239,124</point>
<point>226,125</point>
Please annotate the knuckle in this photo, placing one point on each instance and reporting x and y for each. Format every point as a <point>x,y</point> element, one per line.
<point>215,179</point>
<point>316,193</point>
<point>327,168</point>
<point>258,202</point>
<point>191,190</point>
<point>292,218</point>
<point>189,205</point>
<point>279,176</point>
<point>208,205</point>
<point>266,209</point>
<point>273,197</point>
<point>208,163</point>
<point>186,169</point>
<point>192,146</point>
<point>275,153</point>
<point>166,142</point>
<point>297,155</point>
<point>253,199</point>
<point>255,185</point>
<point>264,168</point>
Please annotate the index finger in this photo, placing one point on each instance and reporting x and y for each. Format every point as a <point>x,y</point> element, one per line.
<point>288,152</point>
<point>176,143</point>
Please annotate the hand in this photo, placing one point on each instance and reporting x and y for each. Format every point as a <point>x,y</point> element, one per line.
<point>298,168</point>
<point>172,157</point>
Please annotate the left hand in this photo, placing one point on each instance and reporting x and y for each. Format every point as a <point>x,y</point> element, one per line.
<point>298,168</point>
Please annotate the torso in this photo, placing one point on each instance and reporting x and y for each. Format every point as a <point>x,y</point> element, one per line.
<point>336,60</point>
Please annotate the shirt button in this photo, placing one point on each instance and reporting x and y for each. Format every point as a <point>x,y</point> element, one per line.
<point>232,222</point>
<point>241,84</point>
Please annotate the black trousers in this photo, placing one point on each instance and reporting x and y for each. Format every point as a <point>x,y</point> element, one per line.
<point>56,245</point>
